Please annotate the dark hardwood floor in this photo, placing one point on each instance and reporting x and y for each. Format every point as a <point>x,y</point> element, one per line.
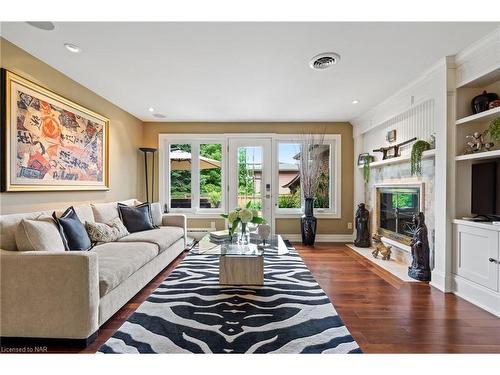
<point>384,314</point>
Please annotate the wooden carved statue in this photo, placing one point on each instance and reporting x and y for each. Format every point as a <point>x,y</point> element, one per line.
<point>420,250</point>
<point>384,250</point>
<point>362,227</point>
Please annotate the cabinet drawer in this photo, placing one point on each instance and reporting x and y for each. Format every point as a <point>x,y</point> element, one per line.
<point>473,247</point>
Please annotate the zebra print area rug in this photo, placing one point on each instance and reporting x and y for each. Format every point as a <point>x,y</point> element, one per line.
<point>191,313</point>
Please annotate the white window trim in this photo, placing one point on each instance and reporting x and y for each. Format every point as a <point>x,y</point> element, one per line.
<point>334,212</point>
<point>165,140</point>
<point>335,140</point>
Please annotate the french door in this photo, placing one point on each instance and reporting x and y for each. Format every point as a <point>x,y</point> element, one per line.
<point>250,175</point>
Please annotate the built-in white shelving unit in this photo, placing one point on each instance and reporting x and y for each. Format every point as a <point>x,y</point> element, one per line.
<point>483,116</point>
<point>480,156</point>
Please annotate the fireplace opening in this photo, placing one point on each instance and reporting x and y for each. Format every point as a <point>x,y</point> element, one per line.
<point>397,205</point>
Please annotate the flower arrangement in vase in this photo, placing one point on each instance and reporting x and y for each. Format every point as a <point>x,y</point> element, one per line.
<point>240,217</point>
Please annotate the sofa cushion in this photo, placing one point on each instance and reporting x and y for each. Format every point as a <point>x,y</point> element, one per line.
<point>138,218</point>
<point>163,237</point>
<point>156,213</point>
<point>41,234</point>
<point>105,212</point>
<point>117,261</point>
<point>100,232</point>
<point>73,233</point>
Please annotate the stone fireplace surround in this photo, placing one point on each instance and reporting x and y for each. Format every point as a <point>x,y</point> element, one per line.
<point>398,175</point>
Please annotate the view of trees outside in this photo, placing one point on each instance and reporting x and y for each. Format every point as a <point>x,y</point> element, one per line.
<point>287,152</point>
<point>180,181</point>
<point>249,178</point>
<point>249,161</point>
<point>211,179</point>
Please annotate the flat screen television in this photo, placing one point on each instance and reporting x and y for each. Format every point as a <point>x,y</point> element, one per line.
<point>486,190</point>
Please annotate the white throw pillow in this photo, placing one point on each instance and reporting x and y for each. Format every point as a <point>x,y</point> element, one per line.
<point>156,213</point>
<point>40,234</point>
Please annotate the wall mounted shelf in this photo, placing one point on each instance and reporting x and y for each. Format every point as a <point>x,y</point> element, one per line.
<point>401,159</point>
<point>479,155</point>
<point>483,116</point>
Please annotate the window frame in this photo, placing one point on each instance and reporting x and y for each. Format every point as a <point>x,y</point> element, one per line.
<point>165,141</point>
<point>335,183</point>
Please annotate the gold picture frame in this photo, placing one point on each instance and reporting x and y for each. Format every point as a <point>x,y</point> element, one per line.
<point>50,143</point>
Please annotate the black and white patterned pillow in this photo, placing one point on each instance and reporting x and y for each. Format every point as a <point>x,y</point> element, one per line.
<point>112,231</point>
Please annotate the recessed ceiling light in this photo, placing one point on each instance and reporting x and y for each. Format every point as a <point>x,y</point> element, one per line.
<point>159,115</point>
<point>151,109</point>
<point>324,60</point>
<point>72,48</point>
<point>47,26</point>
<point>355,101</point>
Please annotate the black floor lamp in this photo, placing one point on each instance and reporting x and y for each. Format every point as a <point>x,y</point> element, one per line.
<point>148,150</point>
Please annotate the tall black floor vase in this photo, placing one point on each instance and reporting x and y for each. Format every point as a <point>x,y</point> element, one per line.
<point>308,223</point>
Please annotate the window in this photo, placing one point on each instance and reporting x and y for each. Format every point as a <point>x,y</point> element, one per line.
<point>210,162</point>
<point>289,196</point>
<point>289,200</point>
<point>195,175</point>
<point>180,175</point>
<point>195,168</point>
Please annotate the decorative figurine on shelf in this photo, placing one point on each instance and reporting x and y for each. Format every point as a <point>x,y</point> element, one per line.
<point>384,250</point>
<point>420,250</point>
<point>264,231</point>
<point>393,151</point>
<point>477,143</point>
<point>362,227</point>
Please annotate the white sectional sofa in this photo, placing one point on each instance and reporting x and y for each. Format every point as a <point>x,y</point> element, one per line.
<point>69,295</point>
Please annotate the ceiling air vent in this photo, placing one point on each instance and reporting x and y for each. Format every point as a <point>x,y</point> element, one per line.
<point>324,60</point>
<point>159,115</point>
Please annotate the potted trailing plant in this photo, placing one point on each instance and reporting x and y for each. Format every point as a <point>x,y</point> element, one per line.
<point>366,167</point>
<point>494,130</point>
<point>310,170</point>
<point>240,217</point>
<point>416,156</point>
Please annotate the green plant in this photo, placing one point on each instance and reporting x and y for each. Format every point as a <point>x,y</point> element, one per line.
<point>243,215</point>
<point>494,129</point>
<point>289,201</point>
<point>416,156</point>
<point>366,167</point>
<point>214,198</point>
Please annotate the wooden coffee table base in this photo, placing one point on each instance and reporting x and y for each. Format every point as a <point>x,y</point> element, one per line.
<point>234,270</point>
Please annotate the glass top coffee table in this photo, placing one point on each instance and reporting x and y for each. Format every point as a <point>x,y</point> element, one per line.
<point>241,264</point>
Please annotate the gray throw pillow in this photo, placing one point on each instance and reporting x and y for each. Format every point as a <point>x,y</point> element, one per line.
<point>112,231</point>
<point>40,234</point>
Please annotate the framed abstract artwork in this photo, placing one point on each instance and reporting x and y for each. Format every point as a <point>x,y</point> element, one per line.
<point>50,143</point>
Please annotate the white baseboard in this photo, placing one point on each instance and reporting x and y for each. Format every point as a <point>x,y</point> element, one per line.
<point>476,294</point>
<point>321,237</point>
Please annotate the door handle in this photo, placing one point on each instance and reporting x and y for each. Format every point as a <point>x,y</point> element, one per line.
<point>491,260</point>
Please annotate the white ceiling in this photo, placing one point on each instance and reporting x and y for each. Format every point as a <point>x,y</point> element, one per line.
<point>244,71</point>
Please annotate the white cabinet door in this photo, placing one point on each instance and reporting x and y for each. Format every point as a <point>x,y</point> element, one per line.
<point>476,255</point>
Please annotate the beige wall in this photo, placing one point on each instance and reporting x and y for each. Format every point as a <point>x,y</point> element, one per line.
<point>325,226</point>
<point>125,165</point>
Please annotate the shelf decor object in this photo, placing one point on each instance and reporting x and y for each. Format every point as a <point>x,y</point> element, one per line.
<point>50,142</point>
<point>420,251</point>
<point>362,227</point>
<point>477,143</point>
<point>393,151</point>
<point>147,151</point>
<point>481,103</point>
<point>417,151</point>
